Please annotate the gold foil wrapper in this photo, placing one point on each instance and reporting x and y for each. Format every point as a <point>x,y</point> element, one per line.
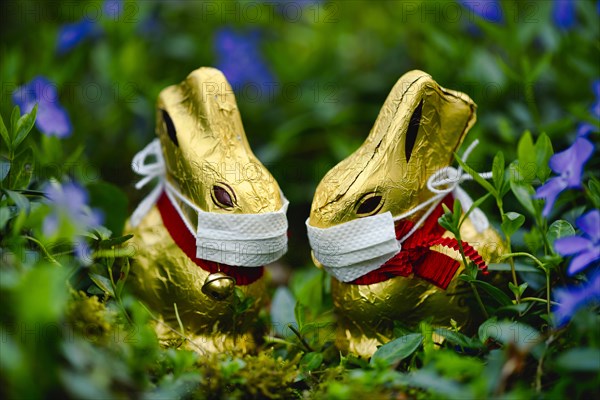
<point>419,128</point>
<point>204,147</point>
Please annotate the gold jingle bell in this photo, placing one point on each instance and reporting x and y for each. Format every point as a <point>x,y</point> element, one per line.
<point>218,286</point>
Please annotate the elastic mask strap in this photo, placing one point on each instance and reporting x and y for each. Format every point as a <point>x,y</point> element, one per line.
<point>444,181</point>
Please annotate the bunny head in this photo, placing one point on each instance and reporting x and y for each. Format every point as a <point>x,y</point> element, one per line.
<point>206,151</point>
<point>417,131</point>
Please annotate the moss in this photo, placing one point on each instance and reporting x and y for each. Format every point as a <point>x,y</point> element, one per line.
<point>89,318</point>
<point>249,377</point>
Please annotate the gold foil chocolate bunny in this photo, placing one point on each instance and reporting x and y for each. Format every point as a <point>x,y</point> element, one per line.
<point>212,222</point>
<point>374,226</point>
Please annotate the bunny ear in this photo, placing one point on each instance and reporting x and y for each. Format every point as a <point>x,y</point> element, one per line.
<point>213,102</point>
<point>413,130</point>
<point>420,120</point>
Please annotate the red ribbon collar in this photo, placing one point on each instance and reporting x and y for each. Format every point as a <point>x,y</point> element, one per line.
<point>187,242</point>
<point>417,257</point>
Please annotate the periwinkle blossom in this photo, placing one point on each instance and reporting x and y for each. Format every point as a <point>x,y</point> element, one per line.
<point>490,10</point>
<point>563,14</point>
<point>52,119</point>
<point>573,298</point>
<point>240,59</point>
<point>584,248</point>
<point>113,8</point>
<point>75,33</point>
<point>70,200</point>
<point>569,165</point>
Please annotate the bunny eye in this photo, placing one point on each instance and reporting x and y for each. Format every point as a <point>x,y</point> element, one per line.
<point>170,127</point>
<point>369,204</point>
<point>413,129</point>
<point>223,196</point>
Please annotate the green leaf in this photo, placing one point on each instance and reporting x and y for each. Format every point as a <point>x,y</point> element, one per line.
<point>282,309</point>
<point>580,359</point>
<point>397,350</point>
<point>517,290</point>
<point>511,222</point>
<point>108,243</point>
<point>21,170</point>
<point>485,184</point>
<point>498,171</point>
<point>594,185</point>
<point>527,158</point>
<point>14,119</point>
<point>457,211</point>
<point>543,152</point>
<point>4,216</point>
<point>4,169</point>
<point>299,313</point>
<point>559,229</point>
<point>103,283</point>
<point>494,292</point>
<point>20,201</point>
<point>524,194</point>
<point>458,338</point>
<point>123,276</point>
<point>24,126</point>
<point>4,133</point>
<point>475,205</point>
<point>311,361</point>
<point>523,336</point>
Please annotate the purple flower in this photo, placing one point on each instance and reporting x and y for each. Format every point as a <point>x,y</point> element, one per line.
<point>585,248</point>
<point>71,35</point>
<point>71,201</point>
<point>52,119</point>
<point>569,164</point>
<point>584,129</point>
<point>240,59</point>
<point>563,14</point>
<point>573,298</point>
<point>490,10</point>
<point>113,8</point>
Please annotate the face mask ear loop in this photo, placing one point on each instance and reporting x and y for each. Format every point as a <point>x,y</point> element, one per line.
<point>149,171</point>
<point>443,177</point>
<point>169,190</point>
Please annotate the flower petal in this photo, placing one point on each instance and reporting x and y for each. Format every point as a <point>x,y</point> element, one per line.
<point>596,84</point>
<point>550,191</point>
<point>569,163</point>
<point>571,245</point>
<point>595,109</point>
<point>563,14</point>
<point>590,224</point>
<point>574,298</point>
<point>50,225</point>
<point>70,35</point>
<point>489,10</point>
<point>580,262</point>
<point>53,120</point>
<point>584,129</point>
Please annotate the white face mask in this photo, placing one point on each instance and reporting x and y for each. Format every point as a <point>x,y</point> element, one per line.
<point>355,248</point>
<point>248,240</point>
